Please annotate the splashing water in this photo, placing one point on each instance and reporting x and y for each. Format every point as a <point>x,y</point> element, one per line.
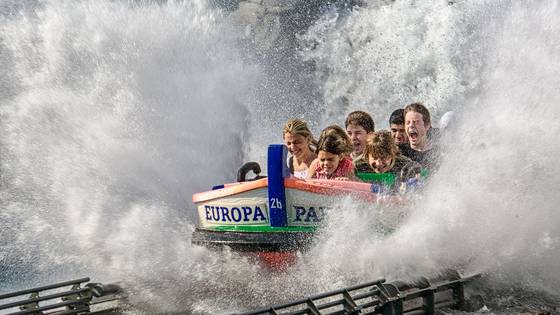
<point>492,206</point>
<point>107,116</point>
<point>114,113</point>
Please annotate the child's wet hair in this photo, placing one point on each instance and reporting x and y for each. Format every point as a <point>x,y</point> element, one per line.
<point>381,145</point>
<point>338,131</point>
<point>334,144</point>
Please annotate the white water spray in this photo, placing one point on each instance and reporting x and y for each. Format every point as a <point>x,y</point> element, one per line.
<point>492,206</point>
<point>113,114</point>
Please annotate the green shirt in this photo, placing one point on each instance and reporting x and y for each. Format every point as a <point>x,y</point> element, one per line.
<point>361,165</point>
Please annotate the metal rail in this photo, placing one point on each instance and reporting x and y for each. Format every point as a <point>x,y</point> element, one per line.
<point>378,297</point>
<point>375,297</point>
<point>79,298</point>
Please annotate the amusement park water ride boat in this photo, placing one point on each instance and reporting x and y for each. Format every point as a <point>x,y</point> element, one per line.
<point>276,215</point>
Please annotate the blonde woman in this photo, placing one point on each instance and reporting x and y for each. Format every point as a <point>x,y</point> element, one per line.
<point>300,143</point>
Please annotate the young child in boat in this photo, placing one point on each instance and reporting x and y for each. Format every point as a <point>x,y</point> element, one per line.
<point>300,143</point>
<point>383,155</point>
<point>333,160</point>
<point>338,132</point>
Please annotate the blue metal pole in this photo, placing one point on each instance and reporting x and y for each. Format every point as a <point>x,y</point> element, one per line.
<point>277,171</point>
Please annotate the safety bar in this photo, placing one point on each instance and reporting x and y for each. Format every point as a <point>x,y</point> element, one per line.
<point>60,300</point>
<point>378,297</point>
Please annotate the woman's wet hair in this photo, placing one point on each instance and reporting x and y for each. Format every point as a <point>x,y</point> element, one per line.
<point>299,127</point>
<point>381,145</point>
<point>334,144</point>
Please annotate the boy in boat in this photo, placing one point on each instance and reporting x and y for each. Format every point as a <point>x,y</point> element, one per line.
<point>421,147</point>
<point>300,143</point>
<point>359,126</point>
<point>383,155</point>
<point>396,124</point>
<point>332,159</point>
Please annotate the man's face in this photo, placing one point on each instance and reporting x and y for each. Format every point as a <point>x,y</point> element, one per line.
<point>399,134</point>
<point>416,130</point>
<point>358,135</point>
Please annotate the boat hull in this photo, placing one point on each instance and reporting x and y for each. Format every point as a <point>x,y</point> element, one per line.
<point>253,241</point>
<point>239,216</point>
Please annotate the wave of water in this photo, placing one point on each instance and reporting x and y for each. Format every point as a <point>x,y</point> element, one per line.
<point>114,113</point>
<point>492,206</point>
<point>112,116</point>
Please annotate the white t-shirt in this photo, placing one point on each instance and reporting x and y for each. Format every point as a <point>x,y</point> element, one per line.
<point>301,174</point>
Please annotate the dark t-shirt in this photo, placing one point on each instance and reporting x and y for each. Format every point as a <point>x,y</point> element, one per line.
<point>400,162</point>
<point>361,165</point>
<point>428,159</point>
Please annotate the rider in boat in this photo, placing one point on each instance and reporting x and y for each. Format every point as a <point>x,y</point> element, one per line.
<point>359,126</point>
<point>383,155</point>
<point>421,147</point>
<point>385,159</point>
<point>339,132</point>
<point>396,125</point>
<point>333,160</point>
<point>301,145</point>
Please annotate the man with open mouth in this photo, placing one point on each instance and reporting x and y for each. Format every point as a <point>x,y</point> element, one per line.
<point>359,127</point>
<point>417,126</point>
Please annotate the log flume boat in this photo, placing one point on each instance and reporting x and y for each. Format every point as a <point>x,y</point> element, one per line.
<point>274,216</point>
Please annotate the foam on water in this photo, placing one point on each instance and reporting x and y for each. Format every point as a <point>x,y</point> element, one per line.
<point>492,207</point>
<point>114,113</point>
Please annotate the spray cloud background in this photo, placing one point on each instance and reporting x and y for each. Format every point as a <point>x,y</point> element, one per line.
<point>114,113</point>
